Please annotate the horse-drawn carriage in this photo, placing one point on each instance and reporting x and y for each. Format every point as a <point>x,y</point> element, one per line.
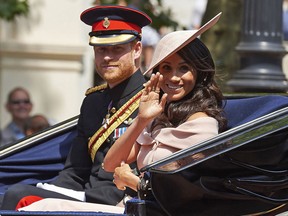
<point>242,171</point>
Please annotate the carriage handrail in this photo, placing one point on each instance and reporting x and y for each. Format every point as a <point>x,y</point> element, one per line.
<point>52,131</point>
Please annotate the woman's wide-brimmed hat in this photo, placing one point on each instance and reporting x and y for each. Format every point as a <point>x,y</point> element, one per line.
<point>174,41</point>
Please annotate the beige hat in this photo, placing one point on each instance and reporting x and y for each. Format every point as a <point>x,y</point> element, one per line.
<point>174,41</point>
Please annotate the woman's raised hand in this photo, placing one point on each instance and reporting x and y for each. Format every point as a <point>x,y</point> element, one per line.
<point>151,105</point>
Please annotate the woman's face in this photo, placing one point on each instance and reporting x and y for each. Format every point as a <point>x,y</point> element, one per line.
<point>19,105</point>
<point>178,77</point>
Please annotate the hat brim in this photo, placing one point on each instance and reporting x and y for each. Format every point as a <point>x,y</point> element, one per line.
<point>174,41</point>
<point>110,40</point>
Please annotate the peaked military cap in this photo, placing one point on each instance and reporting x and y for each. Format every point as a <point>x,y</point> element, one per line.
<point>113,25</point>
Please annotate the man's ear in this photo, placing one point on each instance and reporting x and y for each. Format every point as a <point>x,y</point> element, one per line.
<point>137,50</point>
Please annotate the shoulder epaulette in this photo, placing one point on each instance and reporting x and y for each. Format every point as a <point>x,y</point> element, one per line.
<point>96,88</point>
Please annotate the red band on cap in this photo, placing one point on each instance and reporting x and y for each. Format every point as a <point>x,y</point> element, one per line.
<point>115,25</point>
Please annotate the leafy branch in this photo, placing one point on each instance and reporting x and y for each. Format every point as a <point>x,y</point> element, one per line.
<point>161,16</point>
<point>9,9</point>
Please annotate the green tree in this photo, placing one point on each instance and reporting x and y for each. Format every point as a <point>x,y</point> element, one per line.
<point>9,9</point>
<point>223,38</point>
<point>162,17</point>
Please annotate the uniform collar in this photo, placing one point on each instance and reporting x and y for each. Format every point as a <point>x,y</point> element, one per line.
<point>128,86</point>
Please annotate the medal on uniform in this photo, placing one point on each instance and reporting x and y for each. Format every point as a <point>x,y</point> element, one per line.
<point>118,132</point>
<point>128,121</point>
<point>106,120</point>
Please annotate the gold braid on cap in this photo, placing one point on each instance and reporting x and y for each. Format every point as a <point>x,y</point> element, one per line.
<point>96,88</point>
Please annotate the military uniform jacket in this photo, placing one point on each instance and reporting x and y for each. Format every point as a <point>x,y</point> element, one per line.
<point>80,173</point>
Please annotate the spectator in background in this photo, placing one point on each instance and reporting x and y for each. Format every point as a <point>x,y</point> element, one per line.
<point>19,106</point>
<point>199,7</point>
<point>35,124</point>
<point>150,38</point>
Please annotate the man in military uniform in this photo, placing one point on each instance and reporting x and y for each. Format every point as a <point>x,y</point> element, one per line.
<point>106,112</point>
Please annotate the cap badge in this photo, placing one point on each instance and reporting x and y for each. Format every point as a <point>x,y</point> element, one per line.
<point>106,22</point>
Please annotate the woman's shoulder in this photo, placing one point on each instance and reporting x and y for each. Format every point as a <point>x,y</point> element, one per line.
<point>199,115</point>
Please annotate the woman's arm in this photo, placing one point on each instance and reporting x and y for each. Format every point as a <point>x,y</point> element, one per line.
<point>121,149</point>
<point>150,107</point>
<point>123,175</point>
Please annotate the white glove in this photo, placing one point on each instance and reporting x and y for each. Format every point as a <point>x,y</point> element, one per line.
<point>79,195</point>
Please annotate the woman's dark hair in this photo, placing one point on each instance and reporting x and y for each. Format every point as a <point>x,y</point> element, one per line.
<point>205,97</point>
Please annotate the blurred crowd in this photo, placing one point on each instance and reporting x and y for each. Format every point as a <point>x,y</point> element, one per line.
<point>22,123</point>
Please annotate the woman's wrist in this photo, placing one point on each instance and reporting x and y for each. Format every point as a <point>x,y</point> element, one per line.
<point>131,180</point>
<point>143,121</point>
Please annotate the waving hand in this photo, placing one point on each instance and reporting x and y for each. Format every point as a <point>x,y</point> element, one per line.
<point>151,105</point>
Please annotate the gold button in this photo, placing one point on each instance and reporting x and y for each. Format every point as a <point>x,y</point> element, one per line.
<point>113,110</point>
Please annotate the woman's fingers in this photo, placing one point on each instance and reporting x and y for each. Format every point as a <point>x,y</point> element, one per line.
<point>119,184</point>
<point>119,171</point>
<point>158,84</point>
<point>153,85</point>
<point>163,101</point>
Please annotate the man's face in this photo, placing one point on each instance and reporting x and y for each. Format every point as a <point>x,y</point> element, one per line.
<point>19,105</point>
<point>116,63</point>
